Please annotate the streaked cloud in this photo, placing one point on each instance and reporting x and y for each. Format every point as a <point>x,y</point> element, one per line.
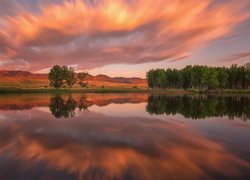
<point>237,57</point>
<point>14,65</point>
<point>96,33</point>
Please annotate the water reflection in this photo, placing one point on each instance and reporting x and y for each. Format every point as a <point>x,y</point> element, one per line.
<point>62,108</point>
<point>200,106</point>
<point>29,101</point>
<point>190,106</point>
<point>104,147</point>
<point>65,107</point>
<point>91,145</point>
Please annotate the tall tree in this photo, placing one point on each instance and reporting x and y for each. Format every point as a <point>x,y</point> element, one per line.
<point>56,76</point>
<point>222,77</point>
<point>59,76</point>
<point>161,78</point>
<point>149,77</point>
<point>211,79</point>
<point>70,78</point>
<point>187,77</point>
<point>247,75</point>
<point>233,75</point>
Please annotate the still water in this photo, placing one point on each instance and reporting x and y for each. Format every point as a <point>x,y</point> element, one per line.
<point>124,136</point>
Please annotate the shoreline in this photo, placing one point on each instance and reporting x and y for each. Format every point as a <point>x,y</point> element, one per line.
<point>122,90</point>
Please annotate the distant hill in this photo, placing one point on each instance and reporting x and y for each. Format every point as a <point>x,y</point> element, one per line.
<point>18,74</point>
<point>102,77</point>
<point>30,80</point>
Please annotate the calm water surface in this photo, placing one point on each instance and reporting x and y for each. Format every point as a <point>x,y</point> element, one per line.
<point>124,136</point>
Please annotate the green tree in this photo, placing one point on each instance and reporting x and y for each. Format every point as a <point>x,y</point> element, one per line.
<point>187,77</point>
<point>56,76</point>
<point>247,75</point>
<point>222,77</point>
<point>161,78</point>
<point>233,75</point>
<point>211,79</point>
<point>152,78</point>
<point>201,77</point>
<point>149,77</point>
<point>198,76</point>
<point>59,76</point>
<point>70,78</point>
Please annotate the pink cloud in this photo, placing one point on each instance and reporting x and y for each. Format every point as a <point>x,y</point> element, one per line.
<point>237,56</point>
<point>114,31</point>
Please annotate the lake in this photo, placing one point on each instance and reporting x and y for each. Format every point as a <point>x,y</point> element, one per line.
<point>124,136</point>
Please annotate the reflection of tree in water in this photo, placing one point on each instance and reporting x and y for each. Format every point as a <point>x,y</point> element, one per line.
<point>83,103</point>
<point>200,107</point>
<point>60,107</point>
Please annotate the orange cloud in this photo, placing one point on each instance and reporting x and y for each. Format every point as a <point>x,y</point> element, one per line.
<point>115,31</point>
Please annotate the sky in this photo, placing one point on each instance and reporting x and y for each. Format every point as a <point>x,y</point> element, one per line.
<point>123,37</point>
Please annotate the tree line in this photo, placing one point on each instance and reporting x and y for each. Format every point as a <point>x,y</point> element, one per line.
<point>200,77</point>
<point>64,76</point>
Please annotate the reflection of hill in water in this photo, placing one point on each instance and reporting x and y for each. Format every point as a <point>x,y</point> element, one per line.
<point>190,106</point>
<point>28,101</point>
<point>200,106</point>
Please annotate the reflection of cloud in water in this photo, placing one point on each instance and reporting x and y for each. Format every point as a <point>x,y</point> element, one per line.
<point>121,110</point>
<point>14,115</point>
<point>97,146</point>
<point>43,109</point>
<point>3,117</point>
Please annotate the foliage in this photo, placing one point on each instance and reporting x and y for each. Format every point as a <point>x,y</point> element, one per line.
<point>200,77</point>
<point>62,76</point>
<point>157,78</point>
<point>56,76</point>
<point>69,74</point>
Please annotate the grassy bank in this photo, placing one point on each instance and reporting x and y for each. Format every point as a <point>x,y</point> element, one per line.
<point>121,90</point>
<point>226,91</point>
<point>65,90</point>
